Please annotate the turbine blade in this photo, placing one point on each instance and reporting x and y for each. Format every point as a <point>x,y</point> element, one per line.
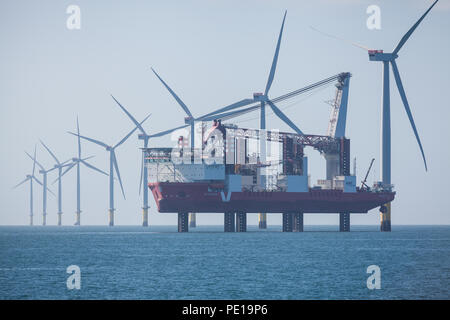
<point>65,163</point>
<point>90,139</point>
<point>51,192</point>
<point>50,170</point>
<point>51,153</point>
<point>130,116</point>
<point>116,167</point>
<point>70,166</point>
<point>410,31</point>
<point>162,133</point>
<point>142,174</point>
<point>37,180</point>
<point>79,142</point>
<point>235,105</point>
<point>283,117</point>
<point>22,182</point>
<point>232,114</point>
<point>131,132</point>
<point>181,103</point>
<point>35,161</point>
<point>275,58</point>
<point>407,109</point>
<point>92,167</point>
<point>341,39</point>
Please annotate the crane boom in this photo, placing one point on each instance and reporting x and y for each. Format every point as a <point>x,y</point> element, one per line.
<point>336,126</point>
<point>229,115</point>
<point>363,183</point>
<point>221,115</point>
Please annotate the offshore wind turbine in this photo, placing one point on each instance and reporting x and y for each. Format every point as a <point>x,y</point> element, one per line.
<point>59,166</point>
<point>385,148</point>
<point>76,161</point>
<point>113,166</point>
<point>263,98</point>
<point>386,59</point>
<point>143,181</point>
<point>262,217</point>
<point>44,188</point>
<point>30,177</point>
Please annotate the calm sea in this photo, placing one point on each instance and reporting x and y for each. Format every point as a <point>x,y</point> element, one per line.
<point>159,263</point>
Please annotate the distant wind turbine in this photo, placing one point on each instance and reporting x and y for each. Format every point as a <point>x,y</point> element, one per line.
<point>143,181</point>
<point>112,166</point>
<point>58,165</point>
<point>30,177</point>
<point>44,187</point>
<point>76,162</point>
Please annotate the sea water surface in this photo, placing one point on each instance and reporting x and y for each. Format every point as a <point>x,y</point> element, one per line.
<point>206,263</point>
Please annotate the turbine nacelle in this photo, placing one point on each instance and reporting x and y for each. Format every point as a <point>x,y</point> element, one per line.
<point>142,136</point>
<point>379,55</point>
<point>188,119</point>
<point>259,96</point>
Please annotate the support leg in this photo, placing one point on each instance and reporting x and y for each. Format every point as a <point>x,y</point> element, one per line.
<point>297,222</point>
<point>145,217</point>
<point>77,218</point>
<point>262,220</point>
<point>183,219</point>
<point>229,222</point>
<point>287,222</point>
<point>192,220</point>
<point>241,222</point>
<point>344,222</point>
<point>111,217</point>
<point>385,217</point>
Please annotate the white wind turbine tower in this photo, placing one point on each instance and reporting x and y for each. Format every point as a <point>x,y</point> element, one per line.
<point>113,166</point>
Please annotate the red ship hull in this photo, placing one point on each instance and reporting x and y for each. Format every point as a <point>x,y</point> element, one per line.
<point>204,197</point>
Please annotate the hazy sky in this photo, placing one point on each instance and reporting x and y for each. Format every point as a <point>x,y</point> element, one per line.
<point>213,53</point>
